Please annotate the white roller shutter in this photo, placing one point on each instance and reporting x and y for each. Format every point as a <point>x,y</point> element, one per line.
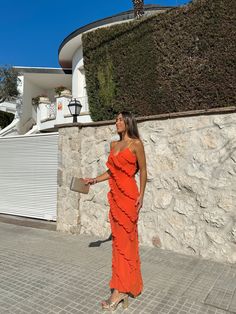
<point>28,175</point>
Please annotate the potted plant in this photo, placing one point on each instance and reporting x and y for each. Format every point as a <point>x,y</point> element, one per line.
<point>62,91</point>
<point>40,99</point>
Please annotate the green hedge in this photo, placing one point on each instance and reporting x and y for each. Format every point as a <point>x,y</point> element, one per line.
<point>182,59</point>
<point>5,118</point>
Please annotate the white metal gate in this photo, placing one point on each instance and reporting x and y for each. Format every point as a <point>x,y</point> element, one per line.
<point>28,175</point>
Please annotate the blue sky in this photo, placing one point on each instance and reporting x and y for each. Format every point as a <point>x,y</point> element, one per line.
<point>31,31</point>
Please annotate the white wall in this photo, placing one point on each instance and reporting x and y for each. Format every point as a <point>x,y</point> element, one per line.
<point>77,63</point>
<point>29,91</point>
<point>20,85</point>
<point>78,81</point>
<point>8,107</point>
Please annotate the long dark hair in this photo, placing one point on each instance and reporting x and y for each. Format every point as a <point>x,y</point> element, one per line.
<point>131,127</point>
<point>130,124</point>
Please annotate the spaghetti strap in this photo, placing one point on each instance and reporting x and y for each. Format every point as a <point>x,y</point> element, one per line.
<point>131,143</point>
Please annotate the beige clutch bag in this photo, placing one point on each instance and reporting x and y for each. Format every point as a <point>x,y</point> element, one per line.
<point>78,185</point>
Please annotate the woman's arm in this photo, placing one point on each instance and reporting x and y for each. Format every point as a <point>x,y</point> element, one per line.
<point>103,177</point>
<point>140,153</point>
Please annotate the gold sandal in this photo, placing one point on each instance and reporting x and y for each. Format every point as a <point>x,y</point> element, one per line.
<point>111,306</point>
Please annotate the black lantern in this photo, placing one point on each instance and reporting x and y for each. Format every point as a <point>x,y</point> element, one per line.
<point>74,107</point>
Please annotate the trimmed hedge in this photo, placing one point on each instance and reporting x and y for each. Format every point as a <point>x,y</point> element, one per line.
<point>179,60</point>
<point>5,118</point>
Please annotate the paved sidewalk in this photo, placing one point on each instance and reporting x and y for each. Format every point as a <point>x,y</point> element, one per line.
<point>47,272</point>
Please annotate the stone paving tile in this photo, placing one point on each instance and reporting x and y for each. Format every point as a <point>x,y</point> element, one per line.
<point>222,293</point>
<point>56,273</point>
<point>170,281</point>
<point>200,287</point>
<point>232,306</point>
<point>183,306</point>
<point>219,298</point>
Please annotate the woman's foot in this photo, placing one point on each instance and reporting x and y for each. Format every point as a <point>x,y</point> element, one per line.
<point>113,301</point>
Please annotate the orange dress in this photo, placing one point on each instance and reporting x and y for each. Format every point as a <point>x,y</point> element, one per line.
<point>123,215</point>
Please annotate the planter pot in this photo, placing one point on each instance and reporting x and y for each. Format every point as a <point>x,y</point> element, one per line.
<point>40,100</point>
<point>44,100</point>
<point>66,92</point>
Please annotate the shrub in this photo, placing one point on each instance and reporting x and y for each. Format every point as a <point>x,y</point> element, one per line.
<point>5,118</point>
<point>182,59</point>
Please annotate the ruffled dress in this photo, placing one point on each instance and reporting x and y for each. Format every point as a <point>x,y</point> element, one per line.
<point>123,216</point>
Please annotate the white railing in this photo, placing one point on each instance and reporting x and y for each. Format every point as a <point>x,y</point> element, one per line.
<point>51,111</point>
<point>49,114</point>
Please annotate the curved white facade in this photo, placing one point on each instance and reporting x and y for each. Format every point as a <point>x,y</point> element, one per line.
<point>78,79</point>
<point>71,53</point>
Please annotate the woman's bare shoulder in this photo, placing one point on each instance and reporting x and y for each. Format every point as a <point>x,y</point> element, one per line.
<point>138,142</point>
<point>138,145</point>
<point>113,144</point>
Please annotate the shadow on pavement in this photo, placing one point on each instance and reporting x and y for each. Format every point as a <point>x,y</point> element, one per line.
<point>99,242</point>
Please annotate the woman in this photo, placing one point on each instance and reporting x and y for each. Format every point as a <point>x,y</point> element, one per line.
<point>126,158</point>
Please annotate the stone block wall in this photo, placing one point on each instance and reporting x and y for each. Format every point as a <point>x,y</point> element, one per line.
<point>190,199</point>
<point>69,159</point>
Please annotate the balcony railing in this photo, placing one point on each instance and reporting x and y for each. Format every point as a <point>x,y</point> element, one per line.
<point>59,111</point>
<point>84,109</point>
<point>51,111</point>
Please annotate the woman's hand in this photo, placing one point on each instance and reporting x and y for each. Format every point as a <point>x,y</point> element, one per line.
<point>139,203</point>
<point>90,181</point>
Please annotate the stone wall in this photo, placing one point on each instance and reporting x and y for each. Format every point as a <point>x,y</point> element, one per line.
<point>69,159</point>
<point>190,199</point>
